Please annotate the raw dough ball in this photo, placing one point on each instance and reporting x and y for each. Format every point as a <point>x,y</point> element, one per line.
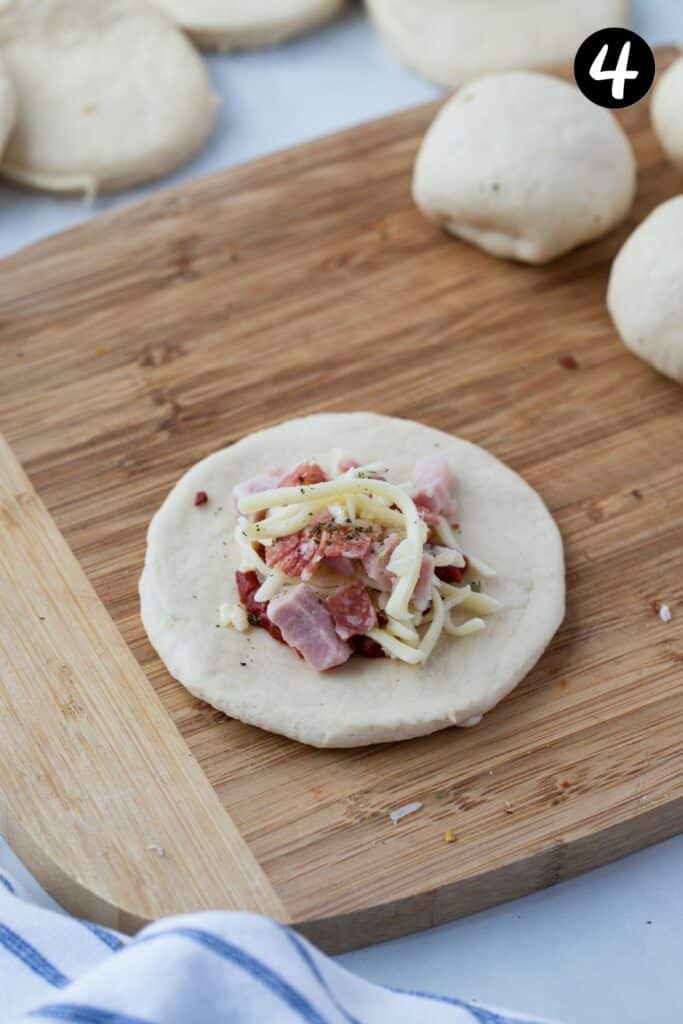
<point>522,165</point>
<point>7,106</point>
<point>242,24</point>
<point>667,112</point>
<point>451,41</point>
<point>110,94</point>
<point>645,295</point>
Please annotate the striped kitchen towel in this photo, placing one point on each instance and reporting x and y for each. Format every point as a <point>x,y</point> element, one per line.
<point>198,969</point>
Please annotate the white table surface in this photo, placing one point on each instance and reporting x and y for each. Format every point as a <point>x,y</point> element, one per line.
<point>606,948</point>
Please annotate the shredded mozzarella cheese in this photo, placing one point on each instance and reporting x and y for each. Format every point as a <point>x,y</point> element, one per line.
<point>454,596</point>
<point>338,513</point>
<point>471,626</point>
<point>481,604</point>
<point>359,499</point>
<point>448,556</point>
<point>403,632</point>
<point>481,567</point>
<point>274,527</point>
<point>250,560</point>
<point>403,812</point>
<point>395,648</point>
<point>272,585</point>
<point>379,511</point>
<point>446,534</point>
<point>428,642</point>
<point>233,615</point>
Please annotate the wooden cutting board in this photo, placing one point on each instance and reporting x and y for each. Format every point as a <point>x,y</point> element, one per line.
<point>139,343</point>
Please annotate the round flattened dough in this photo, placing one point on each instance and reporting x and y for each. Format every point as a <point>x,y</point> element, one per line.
<point>452,41</point>
<point>189,572</point>
<point>645,294</point>
<point>522,165</point>
<point>667,112</point>
<point>243,24</point>
<point>8,106</point>
<point>110,94</point>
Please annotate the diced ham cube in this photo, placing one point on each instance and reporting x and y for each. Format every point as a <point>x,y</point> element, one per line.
<point>433,482</point>
<point>352,610</point>
<point>342,566</point>
<point>376,561</point>
<point>422,594</point>
<point>253,486</point>
<point>306,625</point>
<point>345,464</point>
<point>305,473</point>
<point>424,507</point>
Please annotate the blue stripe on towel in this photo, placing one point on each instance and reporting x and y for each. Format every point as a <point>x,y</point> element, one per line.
<point>480,1013</point>
<point>302,950</point>
<point>5,882</point>
<point>34,960</point>
<point>294,999</point>
<point>79,1014</point>
<point>110,939</point>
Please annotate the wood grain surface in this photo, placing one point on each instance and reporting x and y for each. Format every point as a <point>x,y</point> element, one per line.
<point>86,742</point>
<point>139,343</point>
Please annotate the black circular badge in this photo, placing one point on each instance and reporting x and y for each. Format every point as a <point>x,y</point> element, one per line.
<point>614,68</point>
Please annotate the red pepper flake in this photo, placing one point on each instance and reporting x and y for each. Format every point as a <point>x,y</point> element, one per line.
<point>568,362</point>
<point>201,498</point>
<point>566,784</point>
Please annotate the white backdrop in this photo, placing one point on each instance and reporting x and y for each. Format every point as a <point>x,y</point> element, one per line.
<point>329,80</point>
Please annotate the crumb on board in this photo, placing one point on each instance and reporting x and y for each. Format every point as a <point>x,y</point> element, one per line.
<point>563,787</point>
<point>450,837</point>
<point>402,812</point>
<point>509,809</point>
<point>155,848</point>
<point>568,362</point>
<point>664,613</point>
